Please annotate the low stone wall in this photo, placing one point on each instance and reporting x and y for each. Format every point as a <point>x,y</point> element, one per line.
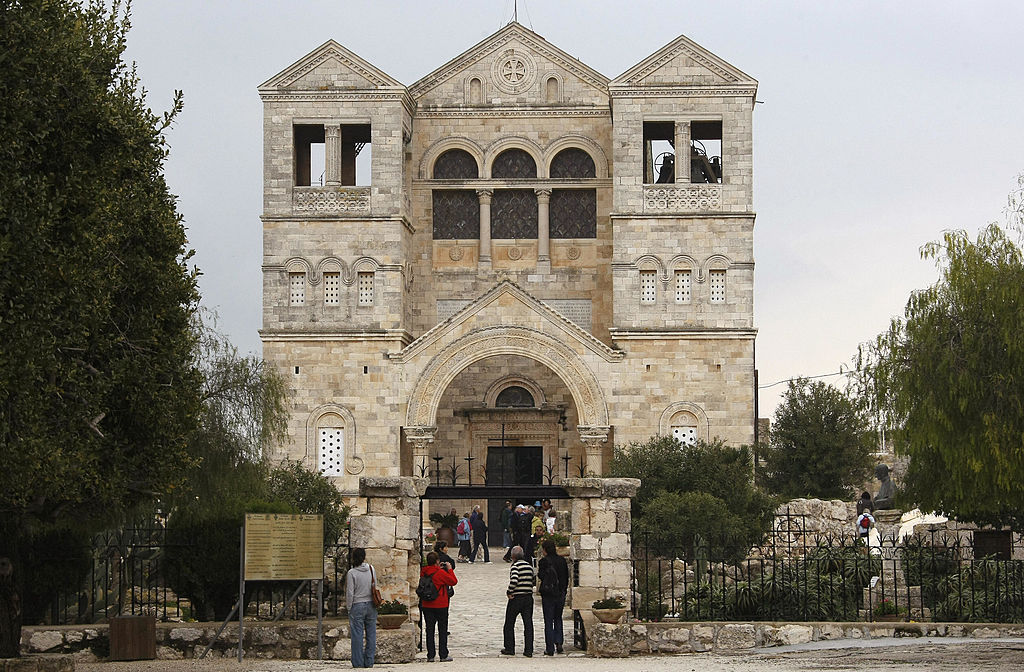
<point>289,640</point>
<point>616,641</point>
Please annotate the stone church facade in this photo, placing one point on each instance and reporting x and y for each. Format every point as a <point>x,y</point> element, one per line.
<point>504,261</point>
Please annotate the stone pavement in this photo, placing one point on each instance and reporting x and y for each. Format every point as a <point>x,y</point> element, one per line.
<point>477,613</point>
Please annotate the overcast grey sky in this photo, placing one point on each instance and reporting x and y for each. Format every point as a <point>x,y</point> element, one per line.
<point>883,124</point>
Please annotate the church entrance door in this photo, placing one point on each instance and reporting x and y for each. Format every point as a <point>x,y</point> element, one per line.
<point>510,465</point>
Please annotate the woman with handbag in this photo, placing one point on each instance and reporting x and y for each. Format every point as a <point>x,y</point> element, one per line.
<point>362,598</point>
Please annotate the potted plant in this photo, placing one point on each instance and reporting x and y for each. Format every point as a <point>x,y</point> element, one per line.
<point>445,523</point>
<point>886,610</point>
<point>609,610</point>
<point>391,614</point>
<point>561,543</point>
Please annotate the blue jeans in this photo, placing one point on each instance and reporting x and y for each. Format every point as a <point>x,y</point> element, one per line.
<point>552,607</point>
<point>362,618</point>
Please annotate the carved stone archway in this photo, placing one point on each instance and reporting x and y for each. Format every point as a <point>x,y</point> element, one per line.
<point>583,385</point>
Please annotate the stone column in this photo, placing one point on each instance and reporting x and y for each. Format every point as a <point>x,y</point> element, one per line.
<point>682,152</point>
<point>390,533</point>
<point>593,439</point>
<point>485,226</point>
<point>420,438</point>
<point>543,231</point>
<point>600,541</point>
<point>332,150</point>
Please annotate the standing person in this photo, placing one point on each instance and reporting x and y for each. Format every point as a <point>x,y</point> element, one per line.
<point>537,531</point>
<point>554,583</point>
<point>522,525</point>
<point>362,615</point>
<point>505,520</point>
<point>476,512</point>
<point>463,531</point>
<point>480,538</point>
<point>435,612</point>
<point>521,579</point>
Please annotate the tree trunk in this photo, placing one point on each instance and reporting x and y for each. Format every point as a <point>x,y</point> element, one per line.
<point>10,612</point>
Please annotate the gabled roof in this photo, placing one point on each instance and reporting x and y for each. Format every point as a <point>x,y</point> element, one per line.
<point>368,76</point>
<point>675,53</point>
<point>569,330</point>
<point>512,32</point>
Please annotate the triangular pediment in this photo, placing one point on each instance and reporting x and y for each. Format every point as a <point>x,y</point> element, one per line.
<point>486,60</point>
<point>330,67</point>
<point>507,304</point>
<point>683,62</point>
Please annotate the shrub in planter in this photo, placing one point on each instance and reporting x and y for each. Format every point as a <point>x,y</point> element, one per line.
<point>392,607</point>
<point>609,603</point>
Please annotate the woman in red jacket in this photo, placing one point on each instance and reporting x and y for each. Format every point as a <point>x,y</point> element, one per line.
<point>435,612</point>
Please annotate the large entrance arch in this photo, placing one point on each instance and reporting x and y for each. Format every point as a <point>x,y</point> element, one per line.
<point>491,341</point>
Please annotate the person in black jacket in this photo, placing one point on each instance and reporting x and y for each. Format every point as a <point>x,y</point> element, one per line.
<point>480,538</point>
<point>554,583</point>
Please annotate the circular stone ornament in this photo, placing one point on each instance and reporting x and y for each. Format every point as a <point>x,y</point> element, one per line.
<point>513,71</point>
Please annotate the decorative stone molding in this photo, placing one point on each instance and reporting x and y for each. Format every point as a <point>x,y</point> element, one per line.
<point>682,197</point>
<point>703,424</point>
<point>501,340</point>
<point>353,463</point>
<point>531,386</point>
<point>331,199</point>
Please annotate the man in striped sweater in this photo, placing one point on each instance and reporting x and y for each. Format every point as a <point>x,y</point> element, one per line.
<point>521,579</point>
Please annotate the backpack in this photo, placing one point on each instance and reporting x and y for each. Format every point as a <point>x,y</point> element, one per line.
<point>461,529</point>
<point>549,581</point>
<point>426,590</point>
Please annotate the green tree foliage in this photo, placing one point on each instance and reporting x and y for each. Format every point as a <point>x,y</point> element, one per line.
<point>98,393</point>
<point>947,378</point>
<point>820,444</point>
<point>695,493</point>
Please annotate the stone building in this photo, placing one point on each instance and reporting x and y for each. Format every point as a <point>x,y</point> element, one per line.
<point>505,260</point>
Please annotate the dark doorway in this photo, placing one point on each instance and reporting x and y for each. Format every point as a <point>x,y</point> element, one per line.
<point>510,465</point>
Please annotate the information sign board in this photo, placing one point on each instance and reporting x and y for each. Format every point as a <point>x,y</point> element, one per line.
<point>280,546</point>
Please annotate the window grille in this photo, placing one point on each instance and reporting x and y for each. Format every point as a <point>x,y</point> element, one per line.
<point>455,164</point>
<point>456,214</point>
<point>366,288</point>
<point>648,291</point>
<point>716,280</point>
<point>513,163</point>
<point>573,163</point>
<point>332,289</point>
<point>685,435</point>
<point>683,286</point>
<point>297,283</point>
<point>514,213</point>
<point>331,456</point>
<point>573,213</point>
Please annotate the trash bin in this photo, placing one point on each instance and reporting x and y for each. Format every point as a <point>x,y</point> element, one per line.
<point>133,638</point>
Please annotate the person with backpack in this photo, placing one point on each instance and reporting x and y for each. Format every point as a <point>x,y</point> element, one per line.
<point>432,590</point>
<point>554,583</point>
<point>463,531</point>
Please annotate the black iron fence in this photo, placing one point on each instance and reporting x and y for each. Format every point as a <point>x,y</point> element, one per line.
<point>129,572</point>
<point>802,575</point>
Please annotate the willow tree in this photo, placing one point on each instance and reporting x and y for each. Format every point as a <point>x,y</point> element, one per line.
<point>98,388</point>
<point>948,378</point>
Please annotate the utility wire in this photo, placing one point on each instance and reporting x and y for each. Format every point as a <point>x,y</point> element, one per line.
<point>787,380</point>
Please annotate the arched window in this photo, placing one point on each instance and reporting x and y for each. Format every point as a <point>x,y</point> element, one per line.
<point>456,164</point>
<point>330,453</point>
<point>513,163</point>
<point>573,163</point>
<point>514,396</point>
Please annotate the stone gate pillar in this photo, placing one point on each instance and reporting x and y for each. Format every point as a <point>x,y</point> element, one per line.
<point>390,532</point>
<point>600,539</point>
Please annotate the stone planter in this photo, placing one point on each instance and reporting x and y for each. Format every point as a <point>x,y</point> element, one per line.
<point>609,615</point>
<point>447,535</point>
<point>889,618</point>
<point>391,621</point>
<point>562,551</point>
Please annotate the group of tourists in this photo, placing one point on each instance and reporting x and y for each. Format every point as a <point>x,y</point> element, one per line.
<point>524,527</point>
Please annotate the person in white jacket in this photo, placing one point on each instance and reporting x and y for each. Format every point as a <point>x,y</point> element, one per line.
<point>362,615</point>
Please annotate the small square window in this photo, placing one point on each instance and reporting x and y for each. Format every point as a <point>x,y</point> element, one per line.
<point>716,281</point>
<point>332,289</point>
<point>366,288</point>
<point>297,284</point>
<point>331,453</point>
<point>683,286</point>
<point>687,436</point>
<point>648,286</point>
